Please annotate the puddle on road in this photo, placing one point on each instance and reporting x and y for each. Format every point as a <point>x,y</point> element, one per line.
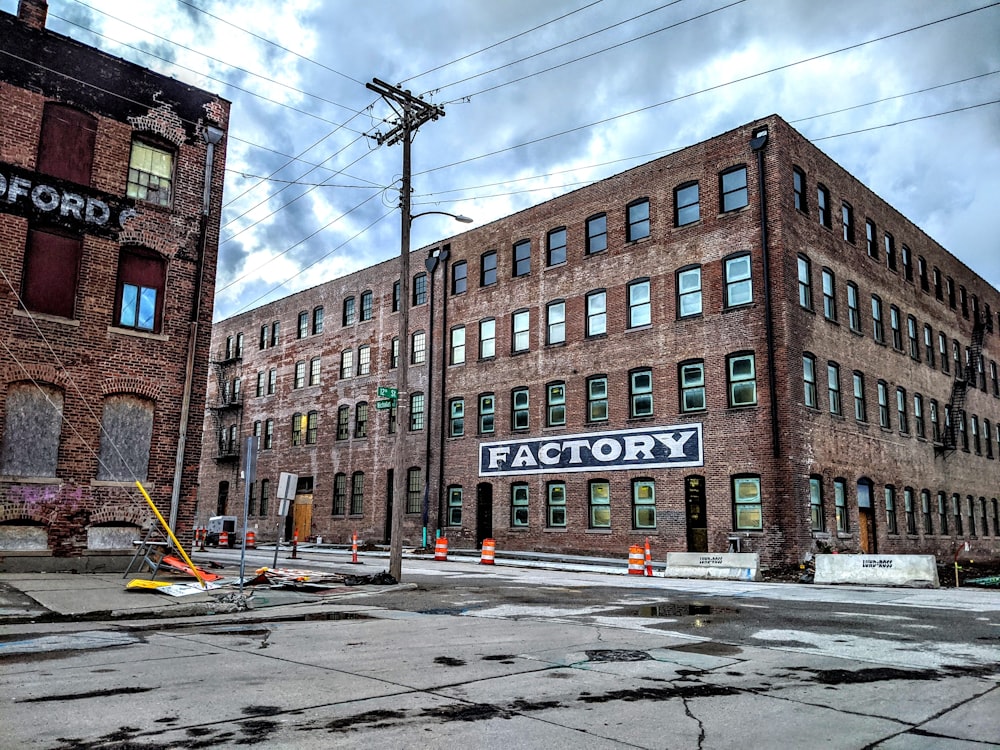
<point>617,655</point>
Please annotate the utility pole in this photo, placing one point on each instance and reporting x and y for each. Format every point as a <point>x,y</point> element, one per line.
<point>411,113</point>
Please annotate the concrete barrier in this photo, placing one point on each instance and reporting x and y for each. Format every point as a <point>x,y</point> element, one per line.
<point>733,566</point>
<point>918,571</point>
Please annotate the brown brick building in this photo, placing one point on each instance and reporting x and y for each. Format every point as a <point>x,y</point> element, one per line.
<point>734,346</point>
<point>108,245</point>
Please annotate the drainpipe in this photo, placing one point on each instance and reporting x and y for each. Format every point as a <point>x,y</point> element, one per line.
<point>445,411</point>
<point>757,144</point>
<point>430,263</point>
<point>212,136</point>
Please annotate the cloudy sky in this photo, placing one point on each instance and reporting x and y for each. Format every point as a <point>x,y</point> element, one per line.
<point>544,97</point>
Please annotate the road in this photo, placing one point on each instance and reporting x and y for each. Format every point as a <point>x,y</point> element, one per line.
<point>500,657</point>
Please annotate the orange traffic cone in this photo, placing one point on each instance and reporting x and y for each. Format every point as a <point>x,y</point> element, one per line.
<point>649,560</point>
<point>295,545</point>
<point>354,549</point>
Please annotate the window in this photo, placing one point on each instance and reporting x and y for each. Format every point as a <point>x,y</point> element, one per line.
<point>262,344</point>
<point>829,295</point>
<point>890,510</point>
<point>956,509</point>
<point>692,385</point>
<point>929,345</point>
<point>925,511</point>
<point>799,189</point>
<point>639,306</point>
<point>883,406</point>
<point>739,290</point>
<point>418,348</point>
<point>985,526</point>
<point>747,504</point>
<point>994,378</point>
<point>847,217</point>
<point>996,517</point>
<point>459,277</point>
<point>911,335</point>
<point>357,493</point>
<point>686,207</point>
<point>597,399</point>
<point>600,504</point>
<point>935,422</point>
<point>896,325</point>
<point>343,422</point>
<point>597,313</point>
<point>938,290</point>
<point>840,505</point>
<point>300,375</point>
<point>688,292</point>
<point>416,411</point>
<point>268,434</point>
<point>272,381</point>
<point>519,409</point>
<point>265,489</point>
<point>733,189</point>
<point>943,351</point>
<point>361,420</point>
<point>963,430</point>
<point>555,247</point>
<point>816,503</point>
<point>519,505</point>
<point>951,292</point>
<point>457,345</point>
<point>742,383</point>
<point>275,331</point>
<point>261,378</point>
<point>66,145</point>
<point>141,278</point>
<point>252,499</point>
<point>641,393</point>
<point>392,413</point>
<point>520,322</point>
<point>918,415</point>
<point>317,320</point>
<point>972,515</point>
<point>925,284</point>
<point>32,430</point>
<point>823,206</point>
<point>907,264</point>
<point>637,225</point>
<point>805,283</point>
<point>367,305</point>
<point>556,404</point>
<point>833,387</point>
<point>150,174</point>
<point>487,338</point>
<point>346,363</point>
<point>456,417</point>
<point>643,504</point>
<point>597,234</point>
<point>555,325</point>
<point>303,325</point>
<point>314,366</point>
<point>454,506</point>
<point>860,407</point>
<point>312,427</point>
<point>522,258</point>
<point>957,359</point>
<point>809,381</point>
<point>890,252</point>
<point>974,424</point>
<point>488,269</point>
<point>871,239</point>
<point>419,289</point>
<point>988,438</point>
<point>878,328</point>
<point>904,427</point>
<point>942,502</point>
<point>853,309</point>
<point>555,505</point>
<point>414,489</point>
<point>348,316</point>
<point>486,413</point>
<point>394,354</point>
<point>395,296</point>
<point>908,511</point>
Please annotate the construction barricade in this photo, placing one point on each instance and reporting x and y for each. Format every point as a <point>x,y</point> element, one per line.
<point>251,540</point>
<point>223,538</point>
<point>441,548</point>
<point>636,561</point>
<point>489,547</point>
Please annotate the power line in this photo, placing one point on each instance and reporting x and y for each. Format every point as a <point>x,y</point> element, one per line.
<point>903,122</point>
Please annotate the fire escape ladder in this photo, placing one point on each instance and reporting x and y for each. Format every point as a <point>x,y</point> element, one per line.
<point>959,390</point>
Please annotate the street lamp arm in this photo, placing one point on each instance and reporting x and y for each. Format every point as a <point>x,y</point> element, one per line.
<point>456,217</point>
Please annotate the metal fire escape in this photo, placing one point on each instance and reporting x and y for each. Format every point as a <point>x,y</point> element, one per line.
<point>965,379</point>
<point>227,410</point>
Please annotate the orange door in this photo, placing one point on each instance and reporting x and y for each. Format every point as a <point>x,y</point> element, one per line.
<point>303,516</point>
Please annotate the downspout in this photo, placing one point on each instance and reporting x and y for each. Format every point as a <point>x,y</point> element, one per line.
<point>445,410</point>
<point>430,264</point>
<point>757,144</point>
<point>212,136</point>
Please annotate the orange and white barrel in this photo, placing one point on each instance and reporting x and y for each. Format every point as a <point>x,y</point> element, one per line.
<point>489,547</point>
<point>441,548</point>
<point>636,561</point>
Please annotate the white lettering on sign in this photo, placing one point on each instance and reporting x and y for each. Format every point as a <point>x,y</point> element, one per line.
<point>883,563</point>
<point>17,190</point>
<point>648,447</point>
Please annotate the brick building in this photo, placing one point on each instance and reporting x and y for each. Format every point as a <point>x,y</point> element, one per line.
<point>110,192</point>
<point>737,346</point>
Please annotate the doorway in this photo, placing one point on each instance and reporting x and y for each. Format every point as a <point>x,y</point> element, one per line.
<point>867,539</point>
<point>694,511</point>
<point>303,516</point>
<point>484,513</point>
<point>223,500</point>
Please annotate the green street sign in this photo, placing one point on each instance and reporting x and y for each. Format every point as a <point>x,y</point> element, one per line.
<point>384,392</point>
<point>385,403</point>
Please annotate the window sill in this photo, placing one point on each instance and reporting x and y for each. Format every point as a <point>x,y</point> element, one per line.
<point>646,327</point>
<point>844,535</point>
<point>18,313</point>
<point>520,352</point>
<point>743,534</point>
<point>138,334</point>
<point>741,306</point>
<point>108,483</point>
<point>598,531</point>
<point>821,535</point>
<point>639,240</point>
<point>14,479</point>
<point>554,530</point>
<point>518,530</point>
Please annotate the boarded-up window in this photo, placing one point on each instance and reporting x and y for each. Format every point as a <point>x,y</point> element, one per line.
<point>139,301</point>
<point>51,272</point>
<point>32,428</point>
<point>126,434</point>
<point>66,148</point>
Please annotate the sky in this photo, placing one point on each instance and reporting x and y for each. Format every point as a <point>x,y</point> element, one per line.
<point>541,98</point>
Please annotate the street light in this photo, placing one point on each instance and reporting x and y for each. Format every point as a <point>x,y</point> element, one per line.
<point>399,480</point>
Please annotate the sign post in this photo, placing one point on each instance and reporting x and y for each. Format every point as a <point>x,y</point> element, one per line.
<point>286,493</point>
<point>249,477</point>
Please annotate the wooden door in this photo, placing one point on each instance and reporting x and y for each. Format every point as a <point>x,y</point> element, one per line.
<point>303,516</point>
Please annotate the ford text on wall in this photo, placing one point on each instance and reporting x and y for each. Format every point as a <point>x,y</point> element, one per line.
<point>675,446</point>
